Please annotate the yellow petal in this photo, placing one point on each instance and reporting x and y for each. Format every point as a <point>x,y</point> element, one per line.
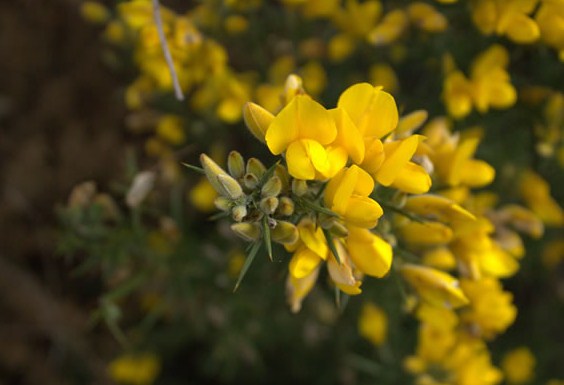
<point>373,324</point>
<point>303,263</point>
<point>411,121</point>
<point>348,135</point>
<point>372,110</point>
<point>362,212</point>
<point>369,253</point>
<point>344,189</point>
<point>439,207</point>
<point>398,153</point>
<point>299,163</point>
<point>284,129</point>
<point>434,286</point>
<point>426,233</point>
<point>476,173</point>
<point>413,179</point>
<point>520,28</point>
<point>298,288</point>
<point>374,155</point>
<point>312,236</point>
<point>337,158</point>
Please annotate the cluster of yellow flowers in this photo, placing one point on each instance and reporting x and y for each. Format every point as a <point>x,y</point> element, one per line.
<point>358,190</point>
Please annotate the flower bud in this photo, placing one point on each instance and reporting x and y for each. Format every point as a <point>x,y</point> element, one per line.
<point>250,181</point>
<point>236,164</point>
<point>293,87</point>
<point>268,205</point>
<point>299,187</point>
<point>285,233</point>
<point>212,171</point>
<point>282,173</point>
<point>338,229</point>
<point>222,203</point>
<point>231,186</point>
<point>257,120</point>
<point>248,231</point>
<point>239,212</point>
<point>434,286</point>
<point>255,167</point>
<point>285,206</point>
<point>272,187</point>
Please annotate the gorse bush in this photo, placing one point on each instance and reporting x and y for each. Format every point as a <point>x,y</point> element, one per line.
<point>383,167</point>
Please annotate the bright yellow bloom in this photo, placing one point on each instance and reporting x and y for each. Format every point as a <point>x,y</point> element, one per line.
<point>507,17</point>
<point>302,129</point>
<point>373,323</point>
<point>491,309</point>
<point>536,193</point>
<point>453,157</point>
<point>489,85</point>
<point>518,366</point>
<point>347,194</point>
<point>140,369</point>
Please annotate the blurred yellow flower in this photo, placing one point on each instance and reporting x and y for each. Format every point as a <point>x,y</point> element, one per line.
<point>518,365</point>
<point>135,369</point>
<point>373,323</point>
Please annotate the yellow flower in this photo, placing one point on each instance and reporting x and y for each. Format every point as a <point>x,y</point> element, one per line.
<point>347,194</point>
<point>491,309</point>
<point>426,17</point>
<point>489,85</point>
<point>384,75</point>
<point>507,17</point>
<point>536,193</point>
<point>453,157</point>
<point>373,323</point>
<point>302,129</point>
<point>550,18</point>
<point>203,195</point>
<point>169,128</point>
<point>139,369</point>
<point>518,366</point>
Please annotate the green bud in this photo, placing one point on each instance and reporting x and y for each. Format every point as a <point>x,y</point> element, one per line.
<point>285,233</point>
<point>299,187</point>
<point>236,164</point>
<point>250,181</point>
<point>222,186</point>
<point>232,188</point>
<point>255,167</point>
<point>239,212</point>
<point>286,206</point>
<point>338,229</point>
<point>222,203</point>
<point>282,173</point>
<point>272,187</point>
<point>268,205</point>
<point>248,231</point>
